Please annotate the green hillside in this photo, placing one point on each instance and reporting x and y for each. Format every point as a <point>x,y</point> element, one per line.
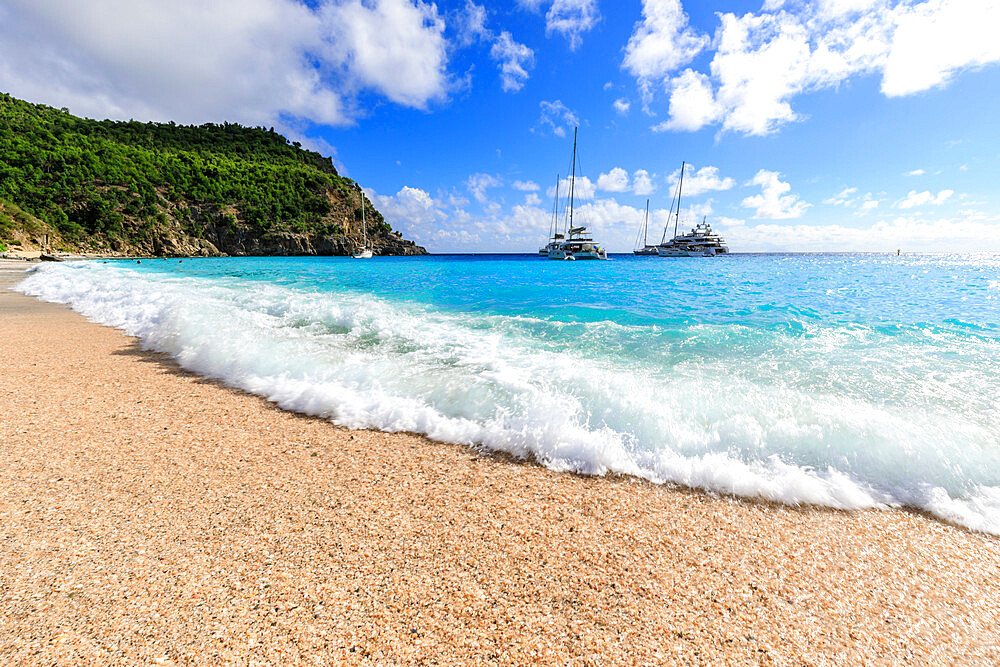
<point>162,188</point>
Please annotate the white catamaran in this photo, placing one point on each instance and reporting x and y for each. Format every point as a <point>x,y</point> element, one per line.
<point>701,241</point>
<point>365,252</point>
<point>577,244</point>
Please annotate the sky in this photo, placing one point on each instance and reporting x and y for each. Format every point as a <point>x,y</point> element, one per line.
<point>806,125</point>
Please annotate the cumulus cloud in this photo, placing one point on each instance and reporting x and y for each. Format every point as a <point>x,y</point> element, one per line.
<point>262,60</point>
<point>916,172</point>
<point>642,183</point>
<point>525,186</point>
<point>692,103</point>
<point>557,117</point>
<point>621,105</point>
<point>660,43</point>
<point>914,199</point>
<point>773,202</point>
<point>615,180</point>
<point>699,181</point>
<point>763,60</point>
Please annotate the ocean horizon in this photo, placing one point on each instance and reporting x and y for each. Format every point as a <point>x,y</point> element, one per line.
<point>845,380</point>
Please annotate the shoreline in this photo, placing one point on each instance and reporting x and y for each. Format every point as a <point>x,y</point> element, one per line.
<point>151,513</point>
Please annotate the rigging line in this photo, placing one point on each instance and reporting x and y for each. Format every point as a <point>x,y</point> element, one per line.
<point>670,213</point>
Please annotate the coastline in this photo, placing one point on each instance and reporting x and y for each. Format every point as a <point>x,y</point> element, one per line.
<point>151,513</point>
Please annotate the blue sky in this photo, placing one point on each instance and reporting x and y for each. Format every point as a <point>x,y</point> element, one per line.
<point>810,125</point>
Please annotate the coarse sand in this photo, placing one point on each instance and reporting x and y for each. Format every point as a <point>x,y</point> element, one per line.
<point>151,516</point>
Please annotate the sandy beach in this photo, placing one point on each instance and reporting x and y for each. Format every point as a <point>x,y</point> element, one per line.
<point>150,516</point>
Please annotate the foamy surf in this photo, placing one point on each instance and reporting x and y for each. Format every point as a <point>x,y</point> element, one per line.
<point>787,407</point>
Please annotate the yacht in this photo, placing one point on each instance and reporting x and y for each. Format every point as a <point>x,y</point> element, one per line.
<point>577,244</point>
<point>699,242</point>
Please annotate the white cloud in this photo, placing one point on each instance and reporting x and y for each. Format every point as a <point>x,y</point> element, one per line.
<point>869,205</point>
<point>570,18</point>
<point>934,40</point>
<point>514,61</point>
<point>477,184</point>
<point>692,103</point>
<point>615,180</point>
<point>513,58</point>
<point>470,23</point>
<point>842,198</point>
<point>525,186</point>
<point>261,60</point>
<point>532,199</point>
<point>661,43</point>
<point>914,199</point>
<point>698,181</point>
<point>642,183</point>
<point>583,189</point>
<point>773,202</point>
<point>911,234</point>
<point>621,105</point>
<point>763,60</point>
<point>411,210</point>
<point>916,172</point>
<point>557,116</point>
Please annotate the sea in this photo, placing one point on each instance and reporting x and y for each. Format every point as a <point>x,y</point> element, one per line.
<point>842,380</point>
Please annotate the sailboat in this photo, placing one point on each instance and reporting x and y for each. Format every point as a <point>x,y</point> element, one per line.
<point>365,252</point>
<point>578,244</point>
<point>555,238</point>
<point>646,249</point>
<point>701,241</point>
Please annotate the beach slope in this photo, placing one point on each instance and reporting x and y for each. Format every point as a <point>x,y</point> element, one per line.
<point>147,514</point>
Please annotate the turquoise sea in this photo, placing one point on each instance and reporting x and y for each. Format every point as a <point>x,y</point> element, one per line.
<point>845,380</point>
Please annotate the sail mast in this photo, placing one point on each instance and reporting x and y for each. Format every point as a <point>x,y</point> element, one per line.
<point>645,226</point>
<point>572,182</point>
<point>364,224</point>
<point>680,188</point>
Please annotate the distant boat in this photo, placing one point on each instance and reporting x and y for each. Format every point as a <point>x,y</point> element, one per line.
<point>701,241</point>
<point>646,249</point>
<point>577,244</point>
<point>365,252</point>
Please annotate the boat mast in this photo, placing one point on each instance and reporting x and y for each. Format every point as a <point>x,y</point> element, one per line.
<point>572,183</point>
<point>645,226</point>
<point>680,188</point>
<point>554,225</point>
<point>364,225</point>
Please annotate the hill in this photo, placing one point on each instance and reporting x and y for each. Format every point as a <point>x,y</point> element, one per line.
<point>135,188</point>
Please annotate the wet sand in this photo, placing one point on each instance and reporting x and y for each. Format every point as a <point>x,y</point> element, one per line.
<point>149,515</point>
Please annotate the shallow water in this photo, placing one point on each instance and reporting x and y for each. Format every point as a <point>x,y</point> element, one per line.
<point>843,380</point>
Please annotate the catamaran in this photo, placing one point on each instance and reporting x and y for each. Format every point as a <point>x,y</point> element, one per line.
<point>365,252</point>
<point>701,241</point>
<point>577,244</point>
<point>646,249</point>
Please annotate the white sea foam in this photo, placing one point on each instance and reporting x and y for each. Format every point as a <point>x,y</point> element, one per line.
<point>767,422</point>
